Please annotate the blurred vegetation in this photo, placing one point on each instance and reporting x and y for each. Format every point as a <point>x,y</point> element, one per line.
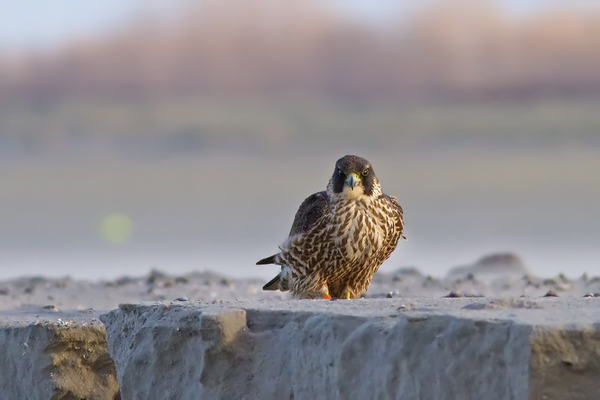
<point>260,47</point>
<point>264,75</point>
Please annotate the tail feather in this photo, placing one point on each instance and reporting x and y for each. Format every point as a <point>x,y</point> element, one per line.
<point>268,260</point>
<point>273,284</point>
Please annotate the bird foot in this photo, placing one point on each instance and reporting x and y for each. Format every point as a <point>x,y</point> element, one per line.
<point>327,296</point>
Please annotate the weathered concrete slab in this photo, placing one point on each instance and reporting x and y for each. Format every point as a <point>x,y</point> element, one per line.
<point>46,354</point>
<point>455,348</point>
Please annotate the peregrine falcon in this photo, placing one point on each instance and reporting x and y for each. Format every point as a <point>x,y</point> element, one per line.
<point>339,237</point>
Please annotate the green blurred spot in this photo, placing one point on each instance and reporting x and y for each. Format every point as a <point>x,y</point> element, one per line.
<point>116,228</point>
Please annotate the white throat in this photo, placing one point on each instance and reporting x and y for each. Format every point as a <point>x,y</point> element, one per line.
<point>356,194</point>
<point>353,194</point>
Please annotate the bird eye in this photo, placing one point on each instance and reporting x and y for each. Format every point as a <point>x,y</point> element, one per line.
<point>365,172</point>
<point>339,171</point>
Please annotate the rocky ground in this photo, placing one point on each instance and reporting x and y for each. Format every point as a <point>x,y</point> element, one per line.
<point>497,275</point>
<point>486,329</point>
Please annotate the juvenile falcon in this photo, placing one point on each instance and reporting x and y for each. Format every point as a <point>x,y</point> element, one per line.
<point>339,237</point>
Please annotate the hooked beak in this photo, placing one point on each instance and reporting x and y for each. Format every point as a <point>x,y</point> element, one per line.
<point>352,180</point>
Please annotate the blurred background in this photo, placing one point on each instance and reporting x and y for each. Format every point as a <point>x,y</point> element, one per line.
<point>183,135</point>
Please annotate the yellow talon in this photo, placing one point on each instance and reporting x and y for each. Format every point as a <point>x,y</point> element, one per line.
<point>346,295</point>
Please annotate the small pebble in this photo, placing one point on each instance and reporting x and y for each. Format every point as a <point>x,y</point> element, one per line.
<point>453,294</point>
<point>182,298</point>
<point>51,307</point>
<point>551,293</point>
<point>589,294</point>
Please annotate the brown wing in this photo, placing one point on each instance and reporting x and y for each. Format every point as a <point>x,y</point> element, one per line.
<point>394,201</point>
<point>309,212</point>
<point>394,211</point>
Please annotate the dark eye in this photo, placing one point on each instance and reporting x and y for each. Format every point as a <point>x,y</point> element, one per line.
<point>365,172</point>
<point>339,171</point>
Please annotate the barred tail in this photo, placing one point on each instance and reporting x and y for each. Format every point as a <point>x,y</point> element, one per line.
<point>268,260</point>
<point>273,284</point>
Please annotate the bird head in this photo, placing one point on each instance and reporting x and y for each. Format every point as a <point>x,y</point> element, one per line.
<point>354,177</point>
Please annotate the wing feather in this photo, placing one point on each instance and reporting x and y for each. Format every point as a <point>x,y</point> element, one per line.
<point>394,201</point>
<point>392,240</point>
<point>309,212</point>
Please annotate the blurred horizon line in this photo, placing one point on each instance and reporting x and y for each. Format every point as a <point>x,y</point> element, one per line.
<point>311,49</point>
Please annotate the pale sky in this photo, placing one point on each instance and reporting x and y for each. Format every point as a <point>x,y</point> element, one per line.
<point>45,23</point>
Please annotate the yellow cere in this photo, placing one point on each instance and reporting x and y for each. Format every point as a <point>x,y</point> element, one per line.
<point>116,228</point>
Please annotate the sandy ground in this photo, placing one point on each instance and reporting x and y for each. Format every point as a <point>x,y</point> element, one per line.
<point>499,276</point>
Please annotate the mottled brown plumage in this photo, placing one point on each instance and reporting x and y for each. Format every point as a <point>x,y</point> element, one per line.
<point>340,236</point>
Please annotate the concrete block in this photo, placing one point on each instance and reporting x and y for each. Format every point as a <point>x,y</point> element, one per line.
<point>442,349</point>
<point>55,355</point>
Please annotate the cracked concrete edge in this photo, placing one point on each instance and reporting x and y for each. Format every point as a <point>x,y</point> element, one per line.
<point>54,361</point>
<point>310,350</point>
<point>263,353</point>
<point>565,362</point>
